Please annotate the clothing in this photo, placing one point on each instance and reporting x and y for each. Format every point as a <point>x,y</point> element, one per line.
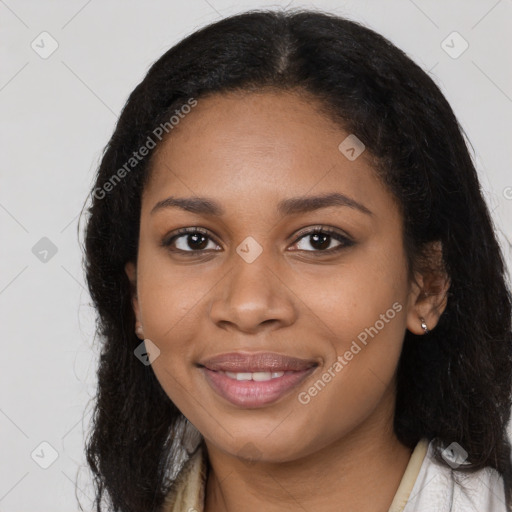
<point>426,486</point>
<point>439,488</point>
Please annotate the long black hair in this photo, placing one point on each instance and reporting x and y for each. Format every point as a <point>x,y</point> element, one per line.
<point>453,385</point>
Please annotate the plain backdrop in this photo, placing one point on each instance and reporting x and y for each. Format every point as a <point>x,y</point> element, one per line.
<point>57,113</point>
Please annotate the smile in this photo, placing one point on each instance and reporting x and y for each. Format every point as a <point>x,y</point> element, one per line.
<point>254,389</point>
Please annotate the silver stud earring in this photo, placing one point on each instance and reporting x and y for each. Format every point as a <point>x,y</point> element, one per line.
<point>424,325</point>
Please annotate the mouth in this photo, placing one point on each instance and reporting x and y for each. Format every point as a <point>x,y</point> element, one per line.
<point>253,380</point>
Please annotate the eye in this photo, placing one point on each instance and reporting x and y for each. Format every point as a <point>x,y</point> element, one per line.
<point>320,239</point>
<point>190,240</point>
<point>196,240</point>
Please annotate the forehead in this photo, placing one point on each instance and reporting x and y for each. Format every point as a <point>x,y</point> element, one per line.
<point>268,122</point>
<point>261,146</point>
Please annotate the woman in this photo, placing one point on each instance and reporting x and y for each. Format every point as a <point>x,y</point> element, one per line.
<point>300,294</point>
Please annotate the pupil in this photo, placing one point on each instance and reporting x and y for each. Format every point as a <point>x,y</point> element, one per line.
<point>323,244</point>
<point>194,244</point>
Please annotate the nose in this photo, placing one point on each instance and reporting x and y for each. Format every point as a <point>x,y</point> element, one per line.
<point>253,297</point>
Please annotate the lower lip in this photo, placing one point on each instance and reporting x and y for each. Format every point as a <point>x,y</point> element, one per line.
<point>249,393</point>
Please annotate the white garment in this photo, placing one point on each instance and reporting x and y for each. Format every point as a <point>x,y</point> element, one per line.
<point>436,489</point>
<point>426,486</point>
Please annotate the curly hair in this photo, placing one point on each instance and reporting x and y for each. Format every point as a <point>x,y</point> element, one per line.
<point>453,385</point>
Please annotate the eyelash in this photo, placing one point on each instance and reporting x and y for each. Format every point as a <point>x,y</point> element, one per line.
<point>345,242</point>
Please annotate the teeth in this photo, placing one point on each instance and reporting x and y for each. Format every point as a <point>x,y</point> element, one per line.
<point>260,376</point>
<point>243,376</point>
<point>256,376</point>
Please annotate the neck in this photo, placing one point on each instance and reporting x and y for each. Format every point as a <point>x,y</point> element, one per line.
<point>360,471</point>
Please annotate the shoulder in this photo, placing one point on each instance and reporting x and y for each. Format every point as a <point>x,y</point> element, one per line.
<point>444,488</point>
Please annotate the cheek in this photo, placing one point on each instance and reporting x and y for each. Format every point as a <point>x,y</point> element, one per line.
<point>170,317</point>
<point>169,295</point>
<point>363,306</point>
<point>171,307</point>
<point>367,292</point>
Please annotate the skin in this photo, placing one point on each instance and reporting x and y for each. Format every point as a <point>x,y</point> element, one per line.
<point>248,151</point>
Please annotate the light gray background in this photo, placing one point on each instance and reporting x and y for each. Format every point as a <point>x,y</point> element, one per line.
<point>57,114</point>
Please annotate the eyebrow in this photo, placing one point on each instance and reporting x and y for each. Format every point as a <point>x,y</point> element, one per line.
<point>294,205</point>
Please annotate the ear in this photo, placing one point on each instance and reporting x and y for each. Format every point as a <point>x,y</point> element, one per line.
<point>131,271</point>
<point>429,292</point>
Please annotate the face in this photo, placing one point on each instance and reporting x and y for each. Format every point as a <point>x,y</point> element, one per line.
<point>318,286</point>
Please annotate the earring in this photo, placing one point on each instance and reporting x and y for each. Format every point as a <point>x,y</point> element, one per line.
<point>424,325</point>
<point>138,328</point>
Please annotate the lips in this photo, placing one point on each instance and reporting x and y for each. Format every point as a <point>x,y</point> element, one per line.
<point>240,362</point>
<point>255,380</point>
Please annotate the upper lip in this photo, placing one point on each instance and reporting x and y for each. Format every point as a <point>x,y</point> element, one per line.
<point>256,362</point>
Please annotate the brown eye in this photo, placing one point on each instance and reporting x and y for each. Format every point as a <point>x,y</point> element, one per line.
<point>320,239</point>
<point>189,240</point>
<point>195,241</point>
